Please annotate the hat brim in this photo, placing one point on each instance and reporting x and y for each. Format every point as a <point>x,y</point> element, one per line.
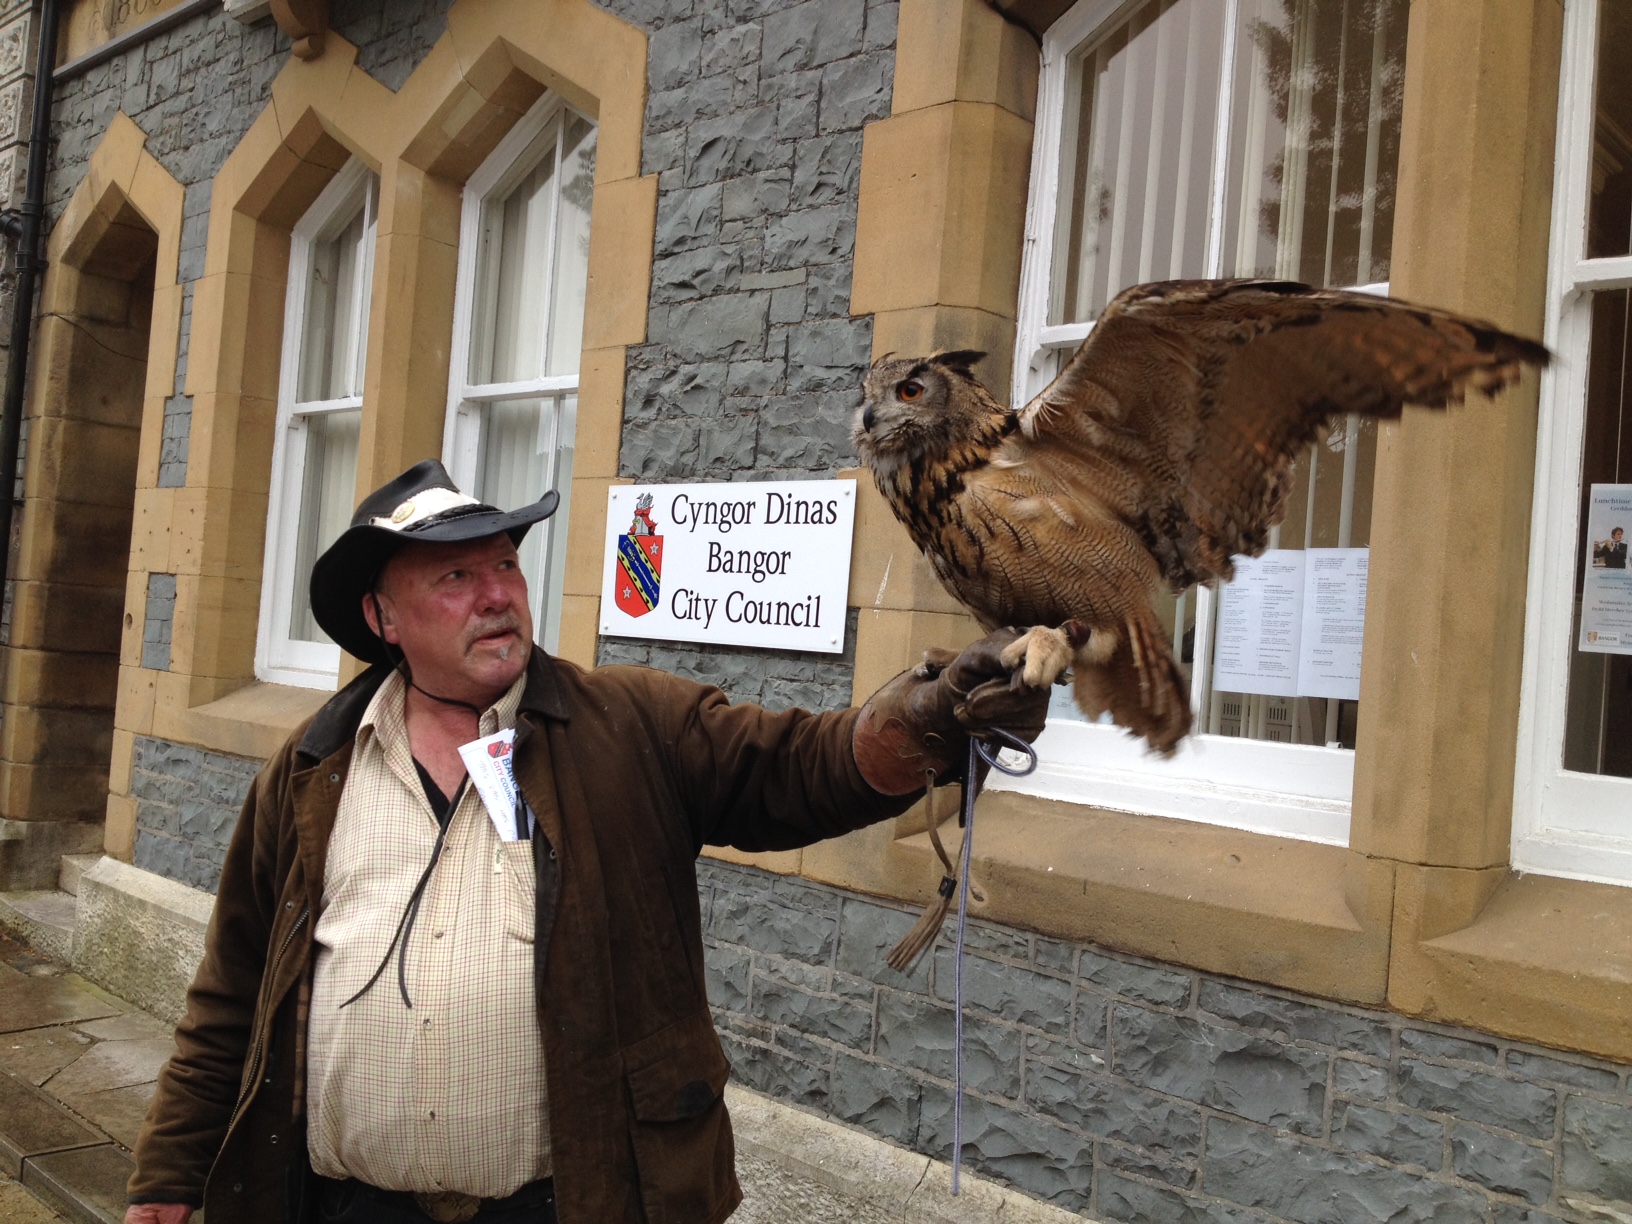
<point>347,570</point>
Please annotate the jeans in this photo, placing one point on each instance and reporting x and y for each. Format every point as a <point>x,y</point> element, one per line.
<point>353,1202</point>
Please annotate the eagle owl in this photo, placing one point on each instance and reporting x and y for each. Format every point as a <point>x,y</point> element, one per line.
<point>1162,450</point>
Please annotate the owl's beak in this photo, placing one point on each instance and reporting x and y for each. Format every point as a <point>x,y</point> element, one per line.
<point>867,418</point>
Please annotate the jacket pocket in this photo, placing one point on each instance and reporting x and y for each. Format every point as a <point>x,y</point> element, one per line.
<point>682,1136</point>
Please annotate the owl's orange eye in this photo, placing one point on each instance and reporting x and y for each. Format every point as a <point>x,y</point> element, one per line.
<point>910,390</point>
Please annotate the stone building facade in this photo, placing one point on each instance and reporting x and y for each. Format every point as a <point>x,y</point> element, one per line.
<point>1169,1020</point>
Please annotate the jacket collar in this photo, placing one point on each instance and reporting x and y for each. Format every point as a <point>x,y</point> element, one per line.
<point>336,723</point>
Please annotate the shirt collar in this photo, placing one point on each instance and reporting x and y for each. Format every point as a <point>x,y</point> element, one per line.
<point>386,715</point>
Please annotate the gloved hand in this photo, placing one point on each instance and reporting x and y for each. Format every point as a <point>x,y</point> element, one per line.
<point>923,718</point>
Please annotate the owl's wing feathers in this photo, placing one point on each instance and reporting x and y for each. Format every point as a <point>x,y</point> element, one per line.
<point>1190,399</point>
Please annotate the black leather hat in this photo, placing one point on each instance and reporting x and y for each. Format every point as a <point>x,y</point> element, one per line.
<point>421,504</point>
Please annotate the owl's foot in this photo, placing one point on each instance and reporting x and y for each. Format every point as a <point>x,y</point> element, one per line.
<point>1045,652</point>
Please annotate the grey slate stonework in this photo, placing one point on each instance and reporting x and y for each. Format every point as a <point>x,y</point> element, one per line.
<point>187,803</point>
<point>1132,1091</point>
<point>752,363</point>
<point>195,91</point>
<point>159,621</point>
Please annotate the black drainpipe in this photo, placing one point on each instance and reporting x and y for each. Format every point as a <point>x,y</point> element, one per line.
<point>24,226</point>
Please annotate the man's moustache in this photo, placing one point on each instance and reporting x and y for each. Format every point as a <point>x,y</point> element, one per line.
<point>508,623</point>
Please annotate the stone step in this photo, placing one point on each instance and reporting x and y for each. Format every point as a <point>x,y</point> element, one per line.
<point>42,918</point>
<point>74,866</point>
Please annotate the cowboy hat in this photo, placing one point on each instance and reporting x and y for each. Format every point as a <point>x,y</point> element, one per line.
<point>423,504</point>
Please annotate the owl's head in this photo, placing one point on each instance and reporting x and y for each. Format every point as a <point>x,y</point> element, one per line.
<point>918,406</point>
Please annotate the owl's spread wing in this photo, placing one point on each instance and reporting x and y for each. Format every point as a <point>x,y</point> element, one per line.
<point>1188,402</point>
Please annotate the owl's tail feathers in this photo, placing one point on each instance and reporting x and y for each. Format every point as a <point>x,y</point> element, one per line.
<point>1140,684</point>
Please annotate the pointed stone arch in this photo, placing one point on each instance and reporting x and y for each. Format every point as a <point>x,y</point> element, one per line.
<point>103,365</point>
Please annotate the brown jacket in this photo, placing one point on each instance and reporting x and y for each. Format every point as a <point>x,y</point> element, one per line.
<point>630,772</point>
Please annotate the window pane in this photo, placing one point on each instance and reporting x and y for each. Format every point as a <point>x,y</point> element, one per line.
<point>327,497</point>
<point>572,247</point>
<point>1598,720</point>
<point>1330,511</point>
<point>1141,109</point>
<point>1609,221</point>
<point>518,438</point>
<point>1315,140</point>
<point>334,334</point>
<point>512,290</point>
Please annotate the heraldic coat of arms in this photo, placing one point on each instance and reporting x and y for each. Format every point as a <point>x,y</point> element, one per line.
<point>640,562</point>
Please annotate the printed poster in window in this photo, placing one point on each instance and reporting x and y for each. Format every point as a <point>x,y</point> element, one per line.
<point>1606,591</point>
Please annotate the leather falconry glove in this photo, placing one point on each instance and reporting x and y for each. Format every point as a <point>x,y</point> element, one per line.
<point>921,721</point>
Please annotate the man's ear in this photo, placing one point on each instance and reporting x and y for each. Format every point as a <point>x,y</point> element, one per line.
<point>379,618</point>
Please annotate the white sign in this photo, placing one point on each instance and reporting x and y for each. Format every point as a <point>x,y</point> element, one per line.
<point>1334,622</point>
<point>1291,623</point>
<point>736,564</point>
<point>1606,588</point>
<point>1259,623</point>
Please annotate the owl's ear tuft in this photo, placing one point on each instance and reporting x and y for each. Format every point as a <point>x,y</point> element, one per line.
<point>961,360</point>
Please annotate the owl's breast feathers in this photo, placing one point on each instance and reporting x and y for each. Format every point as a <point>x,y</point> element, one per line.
<point>1012,548</point>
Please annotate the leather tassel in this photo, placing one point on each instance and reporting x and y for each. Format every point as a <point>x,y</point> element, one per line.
<point>905,954</point>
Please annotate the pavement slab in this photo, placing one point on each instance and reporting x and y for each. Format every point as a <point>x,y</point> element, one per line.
<point>37,1054</point>
<point>29,1001</point>
<point>86,1185</point>
<point>113,1064</point>
<point>130,1027</point>
<point>33,1123</point>
<point>118,1111</point>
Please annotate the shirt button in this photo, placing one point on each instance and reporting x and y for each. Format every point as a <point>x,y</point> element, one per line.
<point>439,934</point>
<point>426,1023</point>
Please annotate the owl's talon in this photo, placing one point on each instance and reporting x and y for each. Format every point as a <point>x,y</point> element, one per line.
<point>1040,655</point>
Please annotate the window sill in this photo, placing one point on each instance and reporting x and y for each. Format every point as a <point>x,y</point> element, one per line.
<point>1210,780</point>
<point>253,721</point>
<point>1530,956</point>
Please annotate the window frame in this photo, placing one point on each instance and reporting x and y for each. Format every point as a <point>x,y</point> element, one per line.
<point>279,658</point>
<point>462,427</point>
<point>1564,822</point>
<point>1213,779</point>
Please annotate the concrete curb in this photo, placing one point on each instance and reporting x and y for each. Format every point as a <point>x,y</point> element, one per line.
<point>140,936</point>
<point>41,918</point>
<point>914,1188</point>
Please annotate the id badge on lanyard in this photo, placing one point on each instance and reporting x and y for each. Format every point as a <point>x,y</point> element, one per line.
<point>490,762</point>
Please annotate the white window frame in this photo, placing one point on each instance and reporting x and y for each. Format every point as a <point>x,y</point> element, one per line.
<point>462,430</point>
<point>279,658</point>
<point>1212,779</point>
<point>1565,823</point>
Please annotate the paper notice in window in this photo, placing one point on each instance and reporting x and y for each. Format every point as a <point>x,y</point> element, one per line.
<point>1334,622</point>
<point>1260,622</point>
<point>488,761</point>
<point>1606,588</point>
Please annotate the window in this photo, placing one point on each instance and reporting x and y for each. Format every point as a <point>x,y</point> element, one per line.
<point>1573,793</point>
<point>320,398</point>
<point>1205,138</point>
<point>518,331</point>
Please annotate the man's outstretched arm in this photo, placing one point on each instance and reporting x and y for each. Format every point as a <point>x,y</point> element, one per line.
<point>762,781</point>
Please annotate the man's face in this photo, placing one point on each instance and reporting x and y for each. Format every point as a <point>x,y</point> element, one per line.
<point>1616,535</point>
<point>458,613</point>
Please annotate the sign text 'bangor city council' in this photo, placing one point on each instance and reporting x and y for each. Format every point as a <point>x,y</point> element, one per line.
<point>736,564</point>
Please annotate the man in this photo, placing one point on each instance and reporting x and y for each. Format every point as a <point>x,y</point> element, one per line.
<point>416,1003</point>
<point>1611,553</point>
